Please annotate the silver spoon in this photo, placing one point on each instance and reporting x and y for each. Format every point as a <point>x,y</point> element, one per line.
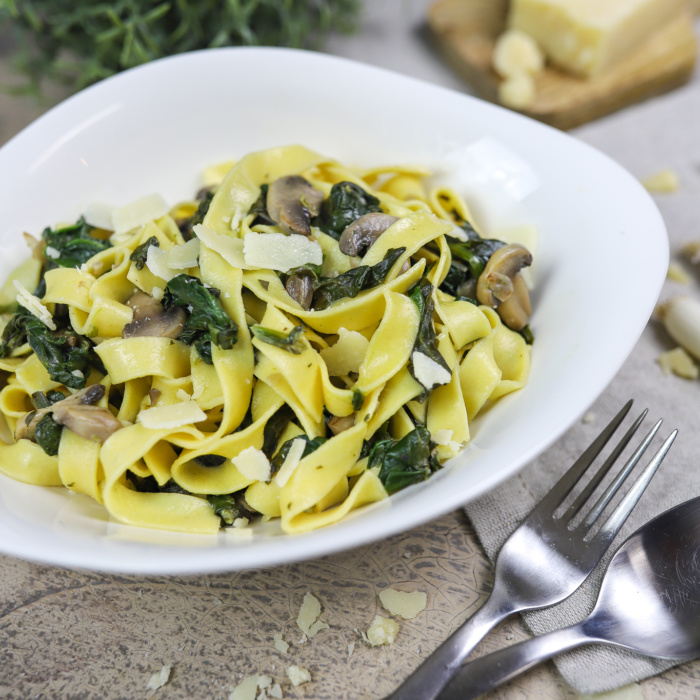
<point>649,602</point>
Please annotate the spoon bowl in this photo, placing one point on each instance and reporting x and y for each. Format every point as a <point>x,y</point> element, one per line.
<point>649,602</point>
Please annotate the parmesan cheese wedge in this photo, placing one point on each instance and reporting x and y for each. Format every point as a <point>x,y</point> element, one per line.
<point>175,415</point>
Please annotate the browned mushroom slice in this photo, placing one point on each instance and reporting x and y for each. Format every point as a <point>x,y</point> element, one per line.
<point>338,424</point>
<point>501,286</point>
<point>151,319</point>
<point>90,422</point>
<point>363,232</point>
<point>300,286</point>
<point>26,425</point>
<point>291,202</point>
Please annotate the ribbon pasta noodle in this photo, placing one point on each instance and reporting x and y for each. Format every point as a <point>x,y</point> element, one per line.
<point>300,340</point>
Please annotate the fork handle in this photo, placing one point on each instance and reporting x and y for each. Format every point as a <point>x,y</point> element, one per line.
<point>435,672</point>
<point>492,670</point>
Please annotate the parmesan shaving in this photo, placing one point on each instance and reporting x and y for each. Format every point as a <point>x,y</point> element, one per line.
<point>138,213</point>
<point>99,215</point>
<point>664,181</point>
<point>275,251</point>
<point>247,689</point>
<point>175,415</point>
<point>182,257</point>
<point>402,604</point>
<point>428,372</point>
<point>308,615</point>
<point>298,675</point>
<point>33,305</point>
<point>253,464</point>
<point>442,437</point>
<point>280,644</point>
<point>382,631</point>
<point>228,247</point>
<point>679,362</point>
<point>275,691</point>
<point>291,462</point>
<point>158,680</point>
<point>182,395</point>
<point>157,263</point>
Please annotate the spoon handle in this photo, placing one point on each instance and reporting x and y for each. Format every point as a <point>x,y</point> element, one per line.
<point>491,670</point>
<point>428,680</point>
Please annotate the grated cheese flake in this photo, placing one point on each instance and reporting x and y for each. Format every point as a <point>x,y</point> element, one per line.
<point>347,354</point>
<point>182,257</point>
<point>280,644</point>
<point>138,213</point>
<point>51,252</point>
<point>173,416</point>
<point>228,247</point>
<point>291,462</point>
<point>275,691</point>
<point>351,649</point>
<point>382,631</point>
<point>308,615</point>
<point>157,263</point>
<point>247,689</point>
<point>253,464</point>
<point>428,372</point>
<point>182,395</point>
<point>275,251</point>
<point>442,437</point>
<point>33,304</point>
<point>158,680</point>
<point>664,181</point>
<point>402,604</point>
<point>679,362</point>
<point>157,293</point>
<point>298,675</point>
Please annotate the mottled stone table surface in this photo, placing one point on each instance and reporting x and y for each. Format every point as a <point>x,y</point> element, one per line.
<point>72,634</point>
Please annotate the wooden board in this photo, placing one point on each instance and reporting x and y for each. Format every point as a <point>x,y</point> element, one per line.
<point>465,32</point>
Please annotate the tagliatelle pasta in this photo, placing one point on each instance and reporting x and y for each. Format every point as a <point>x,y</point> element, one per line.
<point>300,340</point>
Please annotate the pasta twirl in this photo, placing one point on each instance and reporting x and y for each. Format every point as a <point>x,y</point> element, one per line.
<point>302,339</point>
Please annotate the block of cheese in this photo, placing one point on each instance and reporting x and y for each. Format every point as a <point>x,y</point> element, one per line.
<point>587,36</point>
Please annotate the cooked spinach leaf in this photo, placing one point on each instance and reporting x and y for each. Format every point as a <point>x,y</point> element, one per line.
<point>475,252</point>
<point>274,428</point>
<point>291,342</point>
<point>351,283</point>
<point>47,434</point>
<point>44,400</point>
<point>426,341</point>
<point>207,322</point>
<point>346,203</point>
<point>404,462</point>
<point>73,245</point>
<point>526,333</point>
<point>138,257</point>
<point>61,352</point>
<point>358,398</point>
<point>209,460</point>
<point>281,455</point>
<point>186,227</point>
<point>229,507</point>
<point>259,208</point>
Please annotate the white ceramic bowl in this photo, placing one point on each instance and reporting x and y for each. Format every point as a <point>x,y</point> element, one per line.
<point>602,257</point>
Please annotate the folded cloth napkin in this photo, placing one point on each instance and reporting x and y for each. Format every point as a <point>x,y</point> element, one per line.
<point>658,134</point>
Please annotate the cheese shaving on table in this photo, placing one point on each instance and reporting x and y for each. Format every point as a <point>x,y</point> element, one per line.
<point>298,675</point>
<point>308,616</point>
<point>247,689</point>
<point>158,680</point>
<point>138,213</point>
<point>33,305</point>
<point>280,644</point>
<point>382,631</point>
<point>679,362</point>
<point>402,604</point>
<point>173,416</point>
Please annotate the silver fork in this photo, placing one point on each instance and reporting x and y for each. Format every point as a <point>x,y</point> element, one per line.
<point>547,558</point>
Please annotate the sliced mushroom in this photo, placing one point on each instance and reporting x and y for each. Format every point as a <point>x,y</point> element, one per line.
<point>300,286</point>
<point>90,422</point>
<point>26,425</point>
<point>291,202</point>
<point>501,286</point>
<point>338,424</point>
<point>363,232</point>
<point>151,319</point>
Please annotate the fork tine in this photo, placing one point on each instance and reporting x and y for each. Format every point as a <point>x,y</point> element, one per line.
<point>563,487</point>
<point>591,486</point>
<point>614,486</point>
<point>617,518</point>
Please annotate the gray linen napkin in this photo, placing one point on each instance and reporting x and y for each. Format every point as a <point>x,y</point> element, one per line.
<point>664,132</point>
